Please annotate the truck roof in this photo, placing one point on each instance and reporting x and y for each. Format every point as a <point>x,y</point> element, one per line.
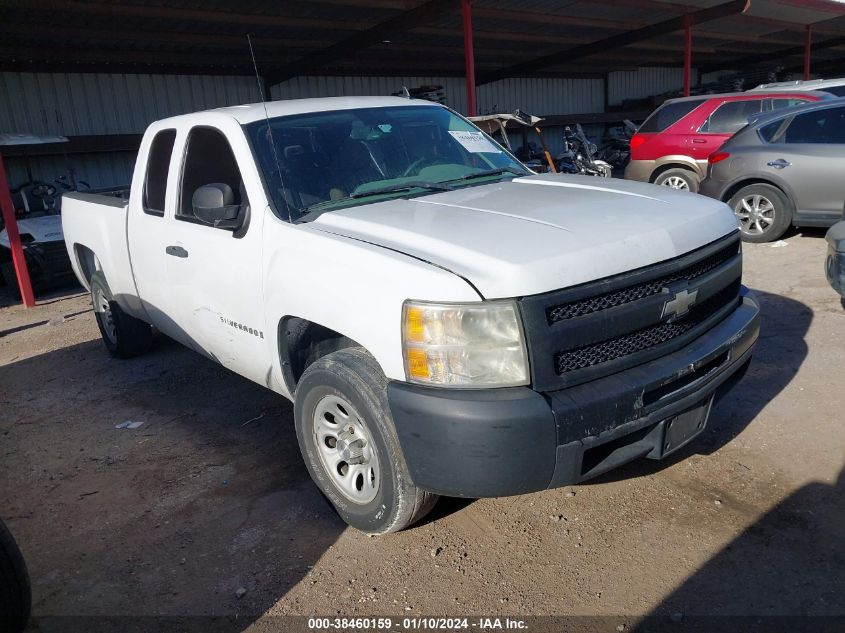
<point>251,112</point>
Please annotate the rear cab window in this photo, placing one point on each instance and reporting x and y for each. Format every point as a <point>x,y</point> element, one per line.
<point>158,164</point>
<point>668,114</point>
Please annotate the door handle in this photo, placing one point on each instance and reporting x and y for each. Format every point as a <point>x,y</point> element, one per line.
<point>780,163</point>
<point>176,251</point>
<point>699,140</point>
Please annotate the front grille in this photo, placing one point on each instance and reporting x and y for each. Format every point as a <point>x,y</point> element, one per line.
<point>579,334</point>
<point>607,300</point>
<point>621,346</point>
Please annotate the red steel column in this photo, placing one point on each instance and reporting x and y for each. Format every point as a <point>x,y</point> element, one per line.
<point>18,258</point>
<point>808,44</point>
<point>469,57</point>
<point>687,54</point>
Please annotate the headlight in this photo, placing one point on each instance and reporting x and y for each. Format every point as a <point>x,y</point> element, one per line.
<point>464,345</point>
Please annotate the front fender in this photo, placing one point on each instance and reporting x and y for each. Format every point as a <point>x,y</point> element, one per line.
<point>352,287</point>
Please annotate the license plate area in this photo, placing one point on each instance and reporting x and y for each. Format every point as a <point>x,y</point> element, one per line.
<point>680,429</point>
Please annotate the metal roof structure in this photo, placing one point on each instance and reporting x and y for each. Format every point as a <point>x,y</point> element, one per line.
<point>555,38</point>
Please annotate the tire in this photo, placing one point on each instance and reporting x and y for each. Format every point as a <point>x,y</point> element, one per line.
<point>124,335</point>
<point>7,270</point>
<point>678,178</point>
<point>773,212</point>
<point>15,591</point>
<point>376,494</point>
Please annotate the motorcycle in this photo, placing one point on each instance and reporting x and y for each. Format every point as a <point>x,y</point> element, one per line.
<point>579,153</point>
<point>616,148</point>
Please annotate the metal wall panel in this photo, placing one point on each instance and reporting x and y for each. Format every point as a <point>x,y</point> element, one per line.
<point>112,169</point>
<point>91,104</point>
<point>307,87</point>
<point>644,82</point>
<point>537,96</point>
<point>542,96</point>
<point>81,104</point>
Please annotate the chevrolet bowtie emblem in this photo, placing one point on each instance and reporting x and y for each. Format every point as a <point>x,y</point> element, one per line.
<point>680,304</point>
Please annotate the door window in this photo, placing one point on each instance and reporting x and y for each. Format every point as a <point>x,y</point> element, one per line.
<point>731,116</point>
<point>209,161</point>
<point>819,126</point>
<point>158,164</point>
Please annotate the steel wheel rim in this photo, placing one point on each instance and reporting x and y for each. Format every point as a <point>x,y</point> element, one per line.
<point>676,182</point>
<point>102,307</point>
<point>346,449</point>
<point>755,214</point>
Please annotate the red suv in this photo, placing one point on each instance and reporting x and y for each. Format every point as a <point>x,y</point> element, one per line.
<point>672,145</point>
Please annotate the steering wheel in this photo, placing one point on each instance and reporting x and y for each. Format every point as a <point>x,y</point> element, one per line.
<point>425,161</point>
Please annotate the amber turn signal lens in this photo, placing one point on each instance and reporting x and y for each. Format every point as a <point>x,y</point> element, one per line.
<point>414,324</point>
<point>418,363</point>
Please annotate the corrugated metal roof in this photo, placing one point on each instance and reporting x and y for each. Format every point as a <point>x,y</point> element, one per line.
<point>86,35</point>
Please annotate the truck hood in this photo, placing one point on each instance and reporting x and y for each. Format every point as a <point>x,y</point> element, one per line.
<point>538,233</point>
<point>46,228</point>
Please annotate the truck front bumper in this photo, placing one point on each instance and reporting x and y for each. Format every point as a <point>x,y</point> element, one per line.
<point>500,442</point>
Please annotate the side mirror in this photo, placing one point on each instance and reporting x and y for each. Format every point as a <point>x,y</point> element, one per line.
<point>214,204</point>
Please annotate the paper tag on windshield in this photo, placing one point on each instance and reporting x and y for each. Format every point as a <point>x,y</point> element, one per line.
<point>475,142</point>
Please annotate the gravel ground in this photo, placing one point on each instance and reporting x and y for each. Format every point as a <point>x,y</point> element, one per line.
<point>207,509</point>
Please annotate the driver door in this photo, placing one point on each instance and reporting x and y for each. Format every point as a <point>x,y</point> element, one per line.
<point>214,272</point>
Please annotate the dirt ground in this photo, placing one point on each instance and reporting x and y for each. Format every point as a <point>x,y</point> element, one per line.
<point>207,509</point>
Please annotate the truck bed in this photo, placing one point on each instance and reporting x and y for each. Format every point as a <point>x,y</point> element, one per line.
<point>96,223</point>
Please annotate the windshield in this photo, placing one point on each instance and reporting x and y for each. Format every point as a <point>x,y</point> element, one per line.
<point>328,160</point>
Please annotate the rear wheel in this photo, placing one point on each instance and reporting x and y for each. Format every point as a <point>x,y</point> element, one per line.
<point>349,443</point>
<point>677,178</point>
<point>124,335</point>
<point>762,211</point>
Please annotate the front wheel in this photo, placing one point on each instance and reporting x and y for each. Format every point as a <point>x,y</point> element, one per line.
<point>15,592</point>
<point>124,335</point>
<point>681,179</point>
<point>349,444</point>
<point>762,211</point>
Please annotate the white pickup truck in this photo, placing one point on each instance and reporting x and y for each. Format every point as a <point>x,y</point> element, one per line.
<point>445,321</point>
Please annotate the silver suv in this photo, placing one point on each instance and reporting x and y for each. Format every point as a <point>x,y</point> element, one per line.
<point>783,168</point>
<point>835,87</point>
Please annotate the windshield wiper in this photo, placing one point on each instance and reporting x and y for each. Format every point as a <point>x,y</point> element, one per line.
<point>311,212</point>
<point>490,172</point>
<point>432,186</point>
